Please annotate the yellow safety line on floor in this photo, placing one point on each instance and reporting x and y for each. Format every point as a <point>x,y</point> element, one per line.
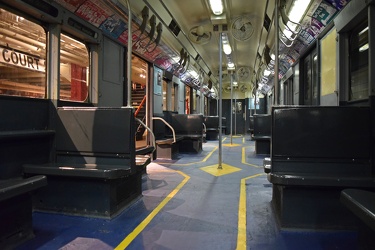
<point>154,212</point>
<point>215,171</point>
<point>190,163</point>
<point>244,158</point>
<point>241,236</point>
<point>231,145</point>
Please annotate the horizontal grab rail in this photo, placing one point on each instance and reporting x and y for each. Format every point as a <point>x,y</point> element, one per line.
<point>153,136</point>
<point>204,127</point>
<point>166,123</point>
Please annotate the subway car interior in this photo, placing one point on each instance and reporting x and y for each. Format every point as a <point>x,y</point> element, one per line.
<point>202,124</point>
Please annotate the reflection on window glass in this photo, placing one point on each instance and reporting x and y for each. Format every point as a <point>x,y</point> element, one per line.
<point>315,80</point>
<point>358,63</point>
<point>74,69</point>
<point>173,98</point>
<point>194,101</point>
<point>307,81</point>
<point>187,100</point>
<point>22,57</point>
<point>165,103</point>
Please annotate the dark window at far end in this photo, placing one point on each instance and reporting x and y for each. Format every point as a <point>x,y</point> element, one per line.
<point>358,63</point>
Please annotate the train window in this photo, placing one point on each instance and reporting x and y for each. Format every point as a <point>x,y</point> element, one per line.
<point>172,104</point>
<point>315,83</point>
<point>165,95</point>
<point>74,69</point>
<point>174,100</point>
<point>310,79</point>
<point>307,77</point>
<point>187,99</point>
<point>170,96</point>
<point>22,56</point>
<point>358,63</point>
<point>288,91</point>
<point>194,101</point>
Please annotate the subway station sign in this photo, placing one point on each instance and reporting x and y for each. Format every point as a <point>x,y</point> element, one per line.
<point>18,59</point>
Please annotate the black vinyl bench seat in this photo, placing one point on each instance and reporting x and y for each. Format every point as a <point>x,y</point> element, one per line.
<point>332,180</point>
<point>99,171</point>
<point>13,187</point>
<point>316,152</point>
<point>188,136</point>
<point>99,190</point>
<point>16,209</point>
<point>212,127</point>
<point>262,137</point>
<point>25,134</point>
<point>95,170</point>
<point>141,161</point>
<point>167,148</point>
<point>168,141</point>
<point>262,133</point>
<point>145,150</point>
<point>78,170</point>
<point>361,203</point>
<point>190,127</point>
<point>178,133</point>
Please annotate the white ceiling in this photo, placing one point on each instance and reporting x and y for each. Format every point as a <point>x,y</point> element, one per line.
<point>189,14</point>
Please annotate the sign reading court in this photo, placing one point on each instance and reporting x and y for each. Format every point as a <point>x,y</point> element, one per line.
<point>9,56</point>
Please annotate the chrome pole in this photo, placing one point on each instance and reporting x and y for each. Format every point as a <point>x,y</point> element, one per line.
<point>201,97</point>
<point>276,77</point>
<point>231,107</point>
<point>220,101</point>
<point>129,55</point>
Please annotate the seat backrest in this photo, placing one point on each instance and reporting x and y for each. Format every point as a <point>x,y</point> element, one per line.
<point>159,127</point>
<point>184,124</point>
<point>262,125</point>
<point>321,132</point>
<point>211,122</point>
<point>95,130</point>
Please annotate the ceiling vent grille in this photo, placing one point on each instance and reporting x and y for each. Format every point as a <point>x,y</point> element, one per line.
<point>173,26</point>
<point>220,28</point>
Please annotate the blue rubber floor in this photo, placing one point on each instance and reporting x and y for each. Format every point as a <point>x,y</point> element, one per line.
<point>188,204</point>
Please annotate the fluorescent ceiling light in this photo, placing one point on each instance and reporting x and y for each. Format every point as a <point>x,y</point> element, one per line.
<point>216,7</point>
<point>298,9</point>
<point>176,58</point>
<point>295,15</point>
<point>193,74</point>
<point>227,49</point>
<point>363,31</point>
<point>266,72</point>
<point>364,48</point>
<point>230,65</point>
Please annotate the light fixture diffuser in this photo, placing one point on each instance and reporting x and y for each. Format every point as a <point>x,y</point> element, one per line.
<point>216,7</point>
<point>227,49</point>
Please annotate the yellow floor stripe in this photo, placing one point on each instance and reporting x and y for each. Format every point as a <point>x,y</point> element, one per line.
<point>190,163</point>
<point>241,236</point>
<point>154,212</point>
<point>236,136</point>
<point>215,171</point>
<point>244,158</point>
<point>231,145</point>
